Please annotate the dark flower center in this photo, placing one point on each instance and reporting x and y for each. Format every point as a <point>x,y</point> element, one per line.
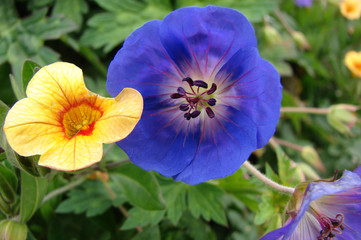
<point>331,226</point>
<point>199,97</point>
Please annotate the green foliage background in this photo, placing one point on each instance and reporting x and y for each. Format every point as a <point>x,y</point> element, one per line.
<point>117,200</point>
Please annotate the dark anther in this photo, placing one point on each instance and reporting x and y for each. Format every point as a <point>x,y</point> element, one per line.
<point>188,80</point>
<point>200,83</point>
<point>331,235</point>
<point>187,116</point>
<point>181,91</point>
<point>184,107</point>
<point>212,89</point>
<point>212,102</point>
<point>210,113</point>
<point>195,113</point>
<point>176,95</point>
<point>342,227</point>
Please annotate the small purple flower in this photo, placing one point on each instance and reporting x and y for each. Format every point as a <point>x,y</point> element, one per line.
<point>303,3</point>
<point>210,100</point>
<point>326,211</point>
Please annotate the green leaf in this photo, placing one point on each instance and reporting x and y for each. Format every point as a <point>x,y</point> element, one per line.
<point>7,15</point>
<point>175,197</point>
<point>3,111</point>
<point>139,186</point>
<point>71,9</point>
<point>27,164</point>
<point>152,233</point>
<point>29,69</point>
<point>109,29</point>
<point>33,190</point>
<point>266,210</point>
<point>141,217</point>
<point>48,28</point>
<point>16,88</point>
<point>8,184</point>
<point>204,200</point>
<point>90,198</point>
<point>253,10</point>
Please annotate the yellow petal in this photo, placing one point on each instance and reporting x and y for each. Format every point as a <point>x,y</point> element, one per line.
<point>353,62</point>
<point>57,86</point>
<point>120,115</point>
<point>31,128</point>
<point>72,154</point>
<point>351,9</point>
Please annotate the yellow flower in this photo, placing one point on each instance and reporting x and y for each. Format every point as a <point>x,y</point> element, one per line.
<point>353,62</point>
<point>351,9</point>
<point>65,123</point>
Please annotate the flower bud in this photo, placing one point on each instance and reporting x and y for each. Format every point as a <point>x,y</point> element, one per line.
<point>12,230</point>
<point>301,41</point>
<point>308,171</point>
<point>310,155</point>
<point>271,35</point>
<point>342,117</point>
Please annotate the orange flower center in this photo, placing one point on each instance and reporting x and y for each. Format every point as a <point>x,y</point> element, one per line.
<point>80,120</point>
<point>358,66</point>
<point>350,8</point>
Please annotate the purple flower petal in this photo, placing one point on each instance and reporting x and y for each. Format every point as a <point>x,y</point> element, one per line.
<point>190,47</point>
<point>325,199</point>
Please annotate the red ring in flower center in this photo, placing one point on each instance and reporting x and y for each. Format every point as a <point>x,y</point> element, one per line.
<point>196,99</point>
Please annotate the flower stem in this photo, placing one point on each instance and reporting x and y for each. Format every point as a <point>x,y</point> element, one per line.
<point>63,189</point>
<point>304,110</point>
<point>266,180</point>
<point>288,144</point>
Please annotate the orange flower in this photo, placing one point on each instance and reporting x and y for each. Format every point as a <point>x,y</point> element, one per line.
<point>353,62</point>
<point>65,123</point>
<point>351,9</point>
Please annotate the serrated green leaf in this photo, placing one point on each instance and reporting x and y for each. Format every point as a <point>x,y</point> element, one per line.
<point>139,186</point>
<point>175,198</point>
<point>141,217</point>
<point>7,15</point>
<point>90,198</point>
<point>71,9</point>
<point>266,210</point>
<point>33,190</point>
<point>48,28</point>
<point>253,10</point>
<point>29,69</point>
<point>204,200</point>
<point>109,29</point>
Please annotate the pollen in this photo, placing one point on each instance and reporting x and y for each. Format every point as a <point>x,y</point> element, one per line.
<point>80,120</point>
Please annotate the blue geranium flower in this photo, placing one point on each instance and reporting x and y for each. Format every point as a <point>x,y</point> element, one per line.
<point>209,98</point>
<point>304,3</point>
<point>325,211</point>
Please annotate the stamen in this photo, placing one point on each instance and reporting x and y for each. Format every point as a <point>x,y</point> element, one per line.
<point>181,91</point>
<point>212,102</point>
<point>200,83</point>
<point>176,95</point>
<point>189,81</point>
<point>212,89</point>
<point>195,113</point>
<point>331,227</point>
<point>187,116</point>
<point>209,112</point>
<point>184,107</point>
